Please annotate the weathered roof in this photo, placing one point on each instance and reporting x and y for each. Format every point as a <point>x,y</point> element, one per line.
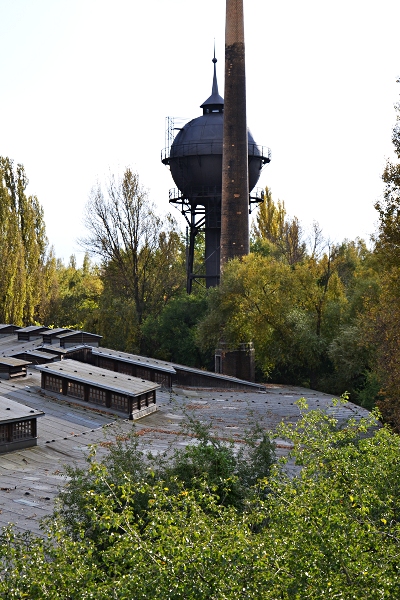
<point>84,373</point>
<point>35,353</point>
<point>11,411</point>
<point>153,363</point>
<point>66,433</point>
<point>53,349</point>
<point>56,331</point>
<point>70,333</point>
<point>13,362</point>
<point>32,328</point>
<point>218,376</point>
<point>11,327</point>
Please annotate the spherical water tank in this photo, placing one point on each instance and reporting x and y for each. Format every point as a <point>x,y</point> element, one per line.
<point>195,157</point>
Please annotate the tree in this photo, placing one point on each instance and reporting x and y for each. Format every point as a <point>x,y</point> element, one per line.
<point>171,335</point>
<point>274,233</point>
<point>140,251</point>
<point>23,246</point>
<point>76,300</point>
<point>388,239</point>
<point>287,312</point>
<point>385,314</point>
<point>351,350</point>
<point>306,320</point>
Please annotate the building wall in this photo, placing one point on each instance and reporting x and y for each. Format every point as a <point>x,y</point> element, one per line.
<point>18,435</point>
<point>97,395</point>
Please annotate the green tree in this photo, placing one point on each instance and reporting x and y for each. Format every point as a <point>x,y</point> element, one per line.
<point>140,251</point>
<point>351,351</point>
<point>77,295</point>
<point>273,233</point>
<point>171,335</point>
<point>289,313</point>
<point>211,463</point>
<point>23,246</point>
<point>306,320</point>
<point>384,315</point>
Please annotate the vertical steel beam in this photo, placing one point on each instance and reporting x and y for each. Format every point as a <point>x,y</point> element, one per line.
<point>235,178</point>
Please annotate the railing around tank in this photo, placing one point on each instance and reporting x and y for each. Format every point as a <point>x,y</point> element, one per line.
<point>210,147</point>
<point>195,193</point>
<point>194,197</point>
<point>257,195</point>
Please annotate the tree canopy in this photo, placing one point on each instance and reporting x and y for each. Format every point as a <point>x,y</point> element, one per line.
<point>384,315</point>
<point>329,530</point>
<point>140,253</point>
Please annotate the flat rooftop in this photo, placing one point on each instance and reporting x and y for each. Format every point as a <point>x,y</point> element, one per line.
<point>10,344</point>
<point>11,411</point>
<point>10,361</point>
<point>30,478</point>
<point>84,373</point>
<point>135,359</point>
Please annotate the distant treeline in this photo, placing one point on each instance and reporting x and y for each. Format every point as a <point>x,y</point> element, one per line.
<point>320,314</point>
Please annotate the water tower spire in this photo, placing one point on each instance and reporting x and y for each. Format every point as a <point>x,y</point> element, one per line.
<point>215,83</point>
<point>215,103</point>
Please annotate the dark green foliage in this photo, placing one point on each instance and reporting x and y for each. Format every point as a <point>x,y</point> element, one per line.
<point>228,473</point>
<point>209,463</point>
<point>171,335</point>
<point>384,314</point>
<point>306,319</point>
<point>124,462</point>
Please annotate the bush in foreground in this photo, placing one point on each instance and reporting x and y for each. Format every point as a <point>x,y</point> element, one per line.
<point>332,531</point>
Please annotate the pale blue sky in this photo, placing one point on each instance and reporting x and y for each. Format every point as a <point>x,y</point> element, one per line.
<point>86,85</point>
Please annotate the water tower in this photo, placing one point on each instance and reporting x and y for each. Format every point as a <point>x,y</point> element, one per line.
<point>194,157</point>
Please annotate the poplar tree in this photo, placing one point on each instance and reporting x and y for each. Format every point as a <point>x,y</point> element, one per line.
<point>276,234</point>
<point>23,245</point>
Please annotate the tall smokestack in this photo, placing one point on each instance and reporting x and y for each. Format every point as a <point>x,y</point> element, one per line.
<point>235,178</point>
